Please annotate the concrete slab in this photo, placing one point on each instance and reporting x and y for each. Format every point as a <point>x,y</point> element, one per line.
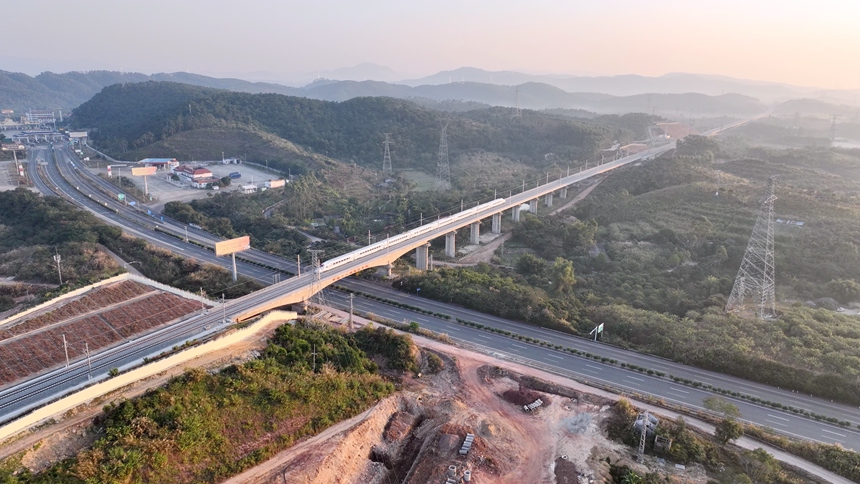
<point>165,190</point>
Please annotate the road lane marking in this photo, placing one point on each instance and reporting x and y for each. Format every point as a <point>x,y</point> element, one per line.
<point>775,423</point>
<point>452,328</point>
<point>483,337</point>
<point>777,417</point>
<point>592,366</point>
<point>673,389</point>
<point>633,378</point>
<point>519,346</point>
<point>834,433</point>
<point>423,320</point>
<point>556,357</point>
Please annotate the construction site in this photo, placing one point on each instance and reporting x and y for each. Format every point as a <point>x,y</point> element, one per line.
<point>472,422</point>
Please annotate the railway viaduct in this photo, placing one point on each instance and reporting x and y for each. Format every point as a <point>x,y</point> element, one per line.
<point>301,288</point>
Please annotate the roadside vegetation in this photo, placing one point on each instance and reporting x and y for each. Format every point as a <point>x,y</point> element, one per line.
<point>205,427</point>
<point>654,251</point>
<point>727,463</point>
<point>36,229</point>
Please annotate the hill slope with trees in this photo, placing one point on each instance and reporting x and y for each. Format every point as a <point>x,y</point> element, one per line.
<point>136,115</point>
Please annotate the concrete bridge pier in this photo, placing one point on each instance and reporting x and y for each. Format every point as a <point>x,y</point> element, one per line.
<point>533,205</point>
<point>422,257</point>
<point>563,193</point>
<point>475,233</point>
<point>515,213</point>
<point>549,199</point>
<point>497,223</point>
<point>450,244</point>
<point>389,271</point>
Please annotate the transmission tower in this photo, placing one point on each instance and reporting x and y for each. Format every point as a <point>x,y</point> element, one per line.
<point>645,418</point>
<point>443,168</point>
<point>386,158</point>
<point>318,298</point>
<point>833,128</point>
<point>517,112</point>
<point>756,276</point>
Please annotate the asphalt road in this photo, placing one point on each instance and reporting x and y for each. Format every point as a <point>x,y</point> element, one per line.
<point>783,422</point>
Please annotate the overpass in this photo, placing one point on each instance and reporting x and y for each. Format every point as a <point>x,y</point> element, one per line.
<point>385,252</point>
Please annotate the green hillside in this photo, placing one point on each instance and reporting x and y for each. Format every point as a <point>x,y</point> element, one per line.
<point>68,90</point>
<point>134,116</point>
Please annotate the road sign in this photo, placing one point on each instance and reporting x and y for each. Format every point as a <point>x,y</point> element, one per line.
<point>143,171</point>
<point>121,197</point>
<point>233,245</point>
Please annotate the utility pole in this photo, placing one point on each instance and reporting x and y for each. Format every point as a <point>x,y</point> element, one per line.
<point>299,265</point>
<point>224,305</point>
<point>186,234</point>
<point>351,297</point>
<point>89,363</point>
<point>315,358</point>
<point>58,259</point>
<point>66,349</point>
<point>202,304</point>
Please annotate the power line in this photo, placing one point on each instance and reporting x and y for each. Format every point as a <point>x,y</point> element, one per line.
<point>756,275</point>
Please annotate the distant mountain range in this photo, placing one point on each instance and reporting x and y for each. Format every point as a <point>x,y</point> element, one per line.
<point>672,95</point>
<point>627,85</point>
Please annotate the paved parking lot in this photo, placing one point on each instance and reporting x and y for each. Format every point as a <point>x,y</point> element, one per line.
<point>164,190</point>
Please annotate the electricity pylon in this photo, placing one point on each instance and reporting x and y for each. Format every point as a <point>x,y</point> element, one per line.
<point>443,168</point>
<point>386,158</point>
<point>318,298</point>
<point>517,112</point>
<point>756,275</point>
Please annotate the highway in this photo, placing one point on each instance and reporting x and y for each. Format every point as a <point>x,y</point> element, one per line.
<point>590,369</point>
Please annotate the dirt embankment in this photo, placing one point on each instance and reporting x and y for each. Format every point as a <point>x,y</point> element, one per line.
<point>415,437</point>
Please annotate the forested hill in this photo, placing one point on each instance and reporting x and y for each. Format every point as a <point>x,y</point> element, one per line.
<point>136,115</point>
<point>67,90</point>
<point>50,90</point>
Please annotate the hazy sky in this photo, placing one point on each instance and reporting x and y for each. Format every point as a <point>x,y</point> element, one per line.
<point>815,43</point>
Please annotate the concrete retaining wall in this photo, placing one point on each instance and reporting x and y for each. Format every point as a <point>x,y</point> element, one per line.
<point>88,394</point>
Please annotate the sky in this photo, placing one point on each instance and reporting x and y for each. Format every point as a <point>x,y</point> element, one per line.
<point>807,43</point>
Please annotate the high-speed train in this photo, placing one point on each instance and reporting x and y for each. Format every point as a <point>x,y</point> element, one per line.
<point>384,244</point>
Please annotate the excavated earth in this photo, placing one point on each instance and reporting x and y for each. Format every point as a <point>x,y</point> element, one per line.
<point>414,437</point>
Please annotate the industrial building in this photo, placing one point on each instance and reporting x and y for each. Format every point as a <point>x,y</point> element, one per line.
<point>190,173</point>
